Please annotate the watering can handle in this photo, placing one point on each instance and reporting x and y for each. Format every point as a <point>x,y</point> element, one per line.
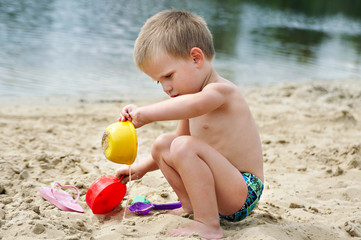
<point>167,206</point>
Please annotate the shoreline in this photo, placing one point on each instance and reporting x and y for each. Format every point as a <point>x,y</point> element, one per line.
<point>64,99</point>
<point>310,134</point>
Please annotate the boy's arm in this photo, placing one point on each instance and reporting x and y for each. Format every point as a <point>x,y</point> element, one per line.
<point>149,164</point>
<point>185,106</point>
<point>138,169</point>
<point>183,128</point>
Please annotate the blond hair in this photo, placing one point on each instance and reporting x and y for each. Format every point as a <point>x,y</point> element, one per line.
<point>176,33</point>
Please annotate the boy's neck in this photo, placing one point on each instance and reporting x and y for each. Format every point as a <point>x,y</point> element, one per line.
<point>211,76</point>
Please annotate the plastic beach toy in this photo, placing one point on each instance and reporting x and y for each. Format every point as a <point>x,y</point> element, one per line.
<point>120,142</point>
<point>142,208</point>
<point>140,199</point>
<point>60,198</point>
<point>105,194</point>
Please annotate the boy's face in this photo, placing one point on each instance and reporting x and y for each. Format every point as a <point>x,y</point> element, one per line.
<point>178,76</point>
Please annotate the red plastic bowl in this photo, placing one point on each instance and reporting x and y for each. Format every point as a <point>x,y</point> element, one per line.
<point>104,194</point>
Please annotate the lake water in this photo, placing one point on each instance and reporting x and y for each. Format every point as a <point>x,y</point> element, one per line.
<point>84,48</point>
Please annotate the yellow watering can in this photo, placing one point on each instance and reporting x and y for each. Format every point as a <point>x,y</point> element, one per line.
<point>120,143</point>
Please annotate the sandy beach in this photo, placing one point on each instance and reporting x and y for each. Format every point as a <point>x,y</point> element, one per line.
<point>311,136</point>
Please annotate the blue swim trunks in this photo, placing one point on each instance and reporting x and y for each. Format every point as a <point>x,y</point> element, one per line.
<point>255,188</point>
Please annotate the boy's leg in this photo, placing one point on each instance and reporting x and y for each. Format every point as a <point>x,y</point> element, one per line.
<point>161,151</point>
<point>212,183</point>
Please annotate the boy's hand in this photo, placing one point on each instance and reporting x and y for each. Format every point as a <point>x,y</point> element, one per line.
<point>126,113</point>
<point>135,171</point>
<point>131,113</point>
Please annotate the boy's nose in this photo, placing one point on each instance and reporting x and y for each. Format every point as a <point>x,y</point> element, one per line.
<point>167,88</point>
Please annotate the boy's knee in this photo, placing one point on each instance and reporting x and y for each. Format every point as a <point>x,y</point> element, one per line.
<point>161,144</point>
<point>180,147</point>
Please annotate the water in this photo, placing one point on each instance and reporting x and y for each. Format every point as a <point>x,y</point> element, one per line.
<point>84,47</point>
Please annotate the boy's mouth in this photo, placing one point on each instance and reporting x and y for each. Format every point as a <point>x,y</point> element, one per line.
<point>174,95</point>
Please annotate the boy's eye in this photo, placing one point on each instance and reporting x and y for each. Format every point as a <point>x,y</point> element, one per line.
<point>169,75</point>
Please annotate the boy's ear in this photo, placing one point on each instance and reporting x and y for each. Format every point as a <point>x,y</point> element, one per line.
<point>197,56</point>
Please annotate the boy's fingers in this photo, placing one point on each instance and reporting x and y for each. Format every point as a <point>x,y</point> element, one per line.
<point>125,179</point>
<point>125,117</point>
<point>119,173</point>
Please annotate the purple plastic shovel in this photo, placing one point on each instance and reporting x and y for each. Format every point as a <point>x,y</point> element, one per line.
<point>141,208</point>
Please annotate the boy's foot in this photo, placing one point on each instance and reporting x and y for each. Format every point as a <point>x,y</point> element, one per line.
<point>204,231</point>
<point>178,211</point>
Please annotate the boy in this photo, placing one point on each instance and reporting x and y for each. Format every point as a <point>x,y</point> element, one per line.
<point>216,147</point>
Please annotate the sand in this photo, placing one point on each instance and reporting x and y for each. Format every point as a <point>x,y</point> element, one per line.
<point>311,135</point>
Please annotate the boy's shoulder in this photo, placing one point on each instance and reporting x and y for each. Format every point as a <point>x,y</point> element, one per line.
<point>225,91</point>
<point>223,86</point>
